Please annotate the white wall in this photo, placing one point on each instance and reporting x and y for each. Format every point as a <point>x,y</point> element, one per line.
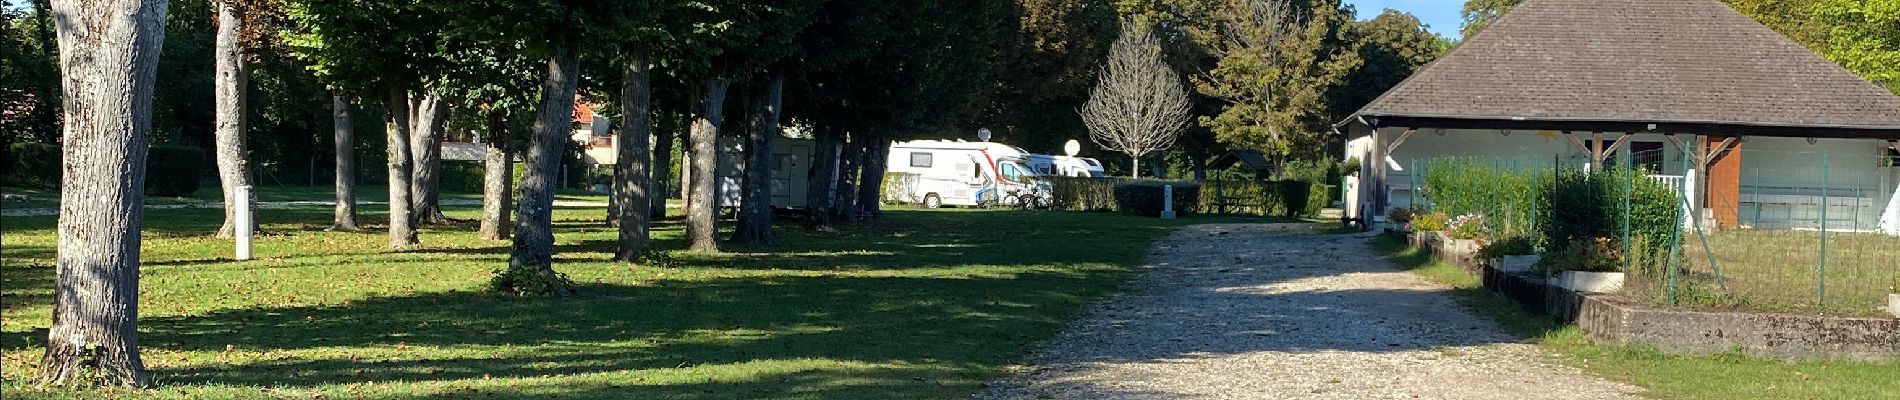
<point>1782,182</point>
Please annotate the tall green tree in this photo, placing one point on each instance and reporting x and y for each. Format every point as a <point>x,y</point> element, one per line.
<point>1277,62</point>
<point>1864,36</point>
<point>1479,14</point>
<point>1393,45</point>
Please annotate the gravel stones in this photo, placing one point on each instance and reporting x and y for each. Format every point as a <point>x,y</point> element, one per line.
<point>1281,312</point>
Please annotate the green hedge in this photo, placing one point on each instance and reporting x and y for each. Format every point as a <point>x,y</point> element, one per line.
<point>33,165</point>
<point>1081,194</point>
<point>462,176</point>
<point>174,171</point>
<point>171,171</point>
<point>1146,197</point>
<point>1509,198</point>
<point>1582,206</point>
<point>1289,198</point>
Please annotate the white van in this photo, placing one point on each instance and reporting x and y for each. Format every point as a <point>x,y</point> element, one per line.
<point>1079,167</point>
<point>937,173</point>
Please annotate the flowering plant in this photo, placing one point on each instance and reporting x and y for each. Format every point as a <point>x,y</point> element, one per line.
<point>1467,227</point>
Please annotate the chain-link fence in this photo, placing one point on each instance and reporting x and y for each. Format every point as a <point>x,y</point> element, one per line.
<point>1812,232</point>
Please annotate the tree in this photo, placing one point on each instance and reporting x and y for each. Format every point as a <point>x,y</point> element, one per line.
<point>344,219</point>
<point>498,177</point>
<point>1139,104</point>
<point>1393,45</point>
<point>402,230</point>
<point>1276,65</point>
<point>1865,38</point>
<point>755,217</point>
<point>1479,14</point>
<point>632,156</point>
<point>109,61</point>
<point>702,155</point>
<point>232,85</point>
<point>428,117</point>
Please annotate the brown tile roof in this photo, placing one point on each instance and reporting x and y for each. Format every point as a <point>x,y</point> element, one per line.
<point>1650,61</point>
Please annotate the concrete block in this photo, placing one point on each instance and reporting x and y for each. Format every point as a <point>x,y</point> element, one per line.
<point>1893,304</point>
<point>1516,264</point>
<point>1591,282</point>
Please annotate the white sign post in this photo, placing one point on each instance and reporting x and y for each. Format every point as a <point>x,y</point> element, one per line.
<point>1167,202</point>
<point>243,222</point>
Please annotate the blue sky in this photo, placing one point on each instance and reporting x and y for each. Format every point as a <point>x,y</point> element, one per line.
<point>1442,15</point>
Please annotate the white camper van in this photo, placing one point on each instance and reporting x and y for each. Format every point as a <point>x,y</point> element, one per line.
<point>1080,167</point>
<point>791,163</point>
<point>937,173</point>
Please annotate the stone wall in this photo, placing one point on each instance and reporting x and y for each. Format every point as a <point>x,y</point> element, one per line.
<point>1788,336</point>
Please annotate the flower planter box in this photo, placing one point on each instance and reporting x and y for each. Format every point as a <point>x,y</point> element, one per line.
<point>1427,240</point>
<point>1591,282</point>
<point>1516,264</point>
<point>1460,249</point>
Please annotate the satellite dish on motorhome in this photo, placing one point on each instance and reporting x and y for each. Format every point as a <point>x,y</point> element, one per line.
<point>983,134</point>
<point>1072,147</point>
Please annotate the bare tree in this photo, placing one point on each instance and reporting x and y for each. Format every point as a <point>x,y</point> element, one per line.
<point>1139,104</point>
<point>345,128</point>
<point>109,58</point>
<point>231,79</point>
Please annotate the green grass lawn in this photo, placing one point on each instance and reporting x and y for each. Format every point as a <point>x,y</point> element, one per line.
<point>49,198</point>
<point>1722,376</point>
<point>923,304</point>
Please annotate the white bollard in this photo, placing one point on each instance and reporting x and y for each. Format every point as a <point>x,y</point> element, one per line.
<point>243,222</point>
<point>1167,202</point>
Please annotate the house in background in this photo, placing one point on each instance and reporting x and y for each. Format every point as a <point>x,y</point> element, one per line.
<point>1763,132</point>
<point>594,134</point>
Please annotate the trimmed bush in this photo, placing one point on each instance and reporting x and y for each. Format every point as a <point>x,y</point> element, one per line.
<point>174,171</point>
<point>462,176</point>
<point>1081,194</point>
<point>1146,197</point>
<point>1584,207</point>
<point>32,165</point>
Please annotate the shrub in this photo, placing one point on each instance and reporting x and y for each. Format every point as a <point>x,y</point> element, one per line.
<point>1081,194</point>
<point>1430,222</point>
<point>1587,206</point>
<point>1466,227</point>
<point>462,176</point>
<point>32,165</point>
<point>1146,197</point>
<point>1504,194</point>
<point>174,171</point>
<point>1514,246</point>
<point>1400,215</point>
<point>1601,254</point>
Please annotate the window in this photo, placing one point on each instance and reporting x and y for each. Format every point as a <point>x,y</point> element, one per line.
<point>921,160</point>
<point>1647,155</point>
<point>1012,173</point>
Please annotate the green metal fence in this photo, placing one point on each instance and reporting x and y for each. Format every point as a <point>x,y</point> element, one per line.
<point>1789,231</point>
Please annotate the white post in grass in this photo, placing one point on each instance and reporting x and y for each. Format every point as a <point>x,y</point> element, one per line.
<point>243,223</point>
<point>1167,201</point>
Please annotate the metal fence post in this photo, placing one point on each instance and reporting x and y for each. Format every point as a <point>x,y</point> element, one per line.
<point>1629,190</point>
<point>1826,203</point>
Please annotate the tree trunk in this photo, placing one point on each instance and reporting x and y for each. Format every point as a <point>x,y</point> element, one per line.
<point>822,177</point>
<point>402,230</point>
<point>498,179</point>
<point>632,154</point>
<point>531,269</point>
<point>662,165</point>
<point>755,209</point>
<point>345,217</point>
<point>231,77</point>
<point>871,180</point>
<point>1135,171</point>
<point>425,142</point>
<point>846,208</point>
<point>109,58</point>
<point>702,203</point>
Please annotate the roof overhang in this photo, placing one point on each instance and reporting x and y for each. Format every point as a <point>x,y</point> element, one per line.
<point>1376,120</point>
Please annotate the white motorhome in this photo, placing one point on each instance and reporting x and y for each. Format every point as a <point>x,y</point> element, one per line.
<point>937,173</point>
<point>792,159</point>
<point>1080,167</point>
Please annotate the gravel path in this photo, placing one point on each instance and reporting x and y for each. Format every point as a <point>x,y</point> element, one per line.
<point>1277,312</point>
